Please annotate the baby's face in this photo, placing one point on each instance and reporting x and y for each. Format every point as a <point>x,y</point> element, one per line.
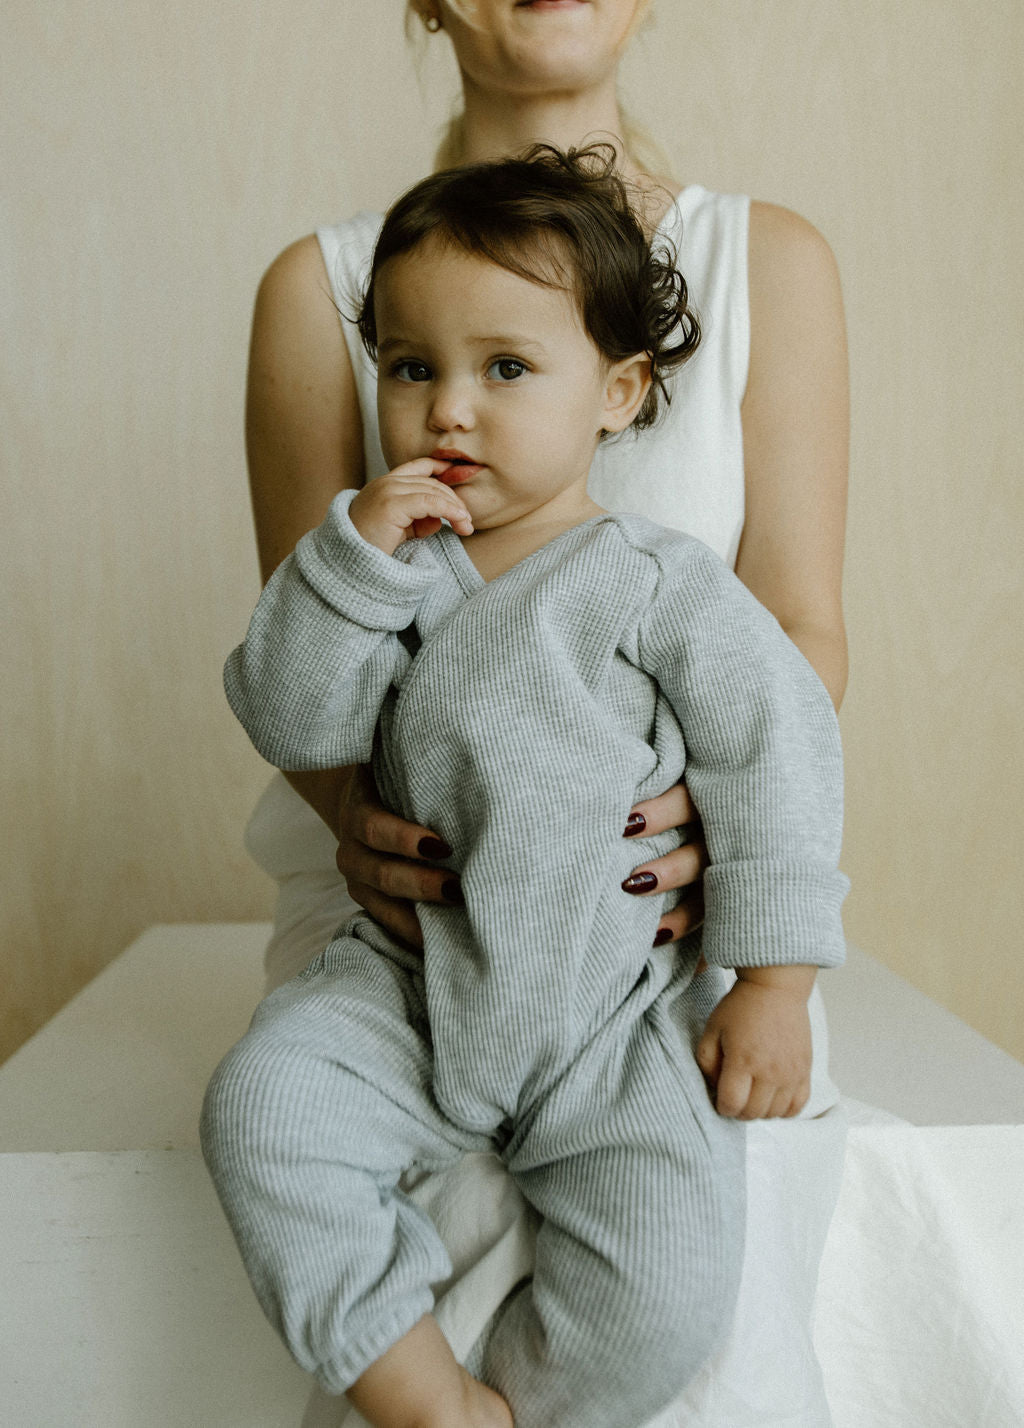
<point>482,367</point>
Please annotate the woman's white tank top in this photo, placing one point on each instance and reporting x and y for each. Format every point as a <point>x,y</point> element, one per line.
<point>687,471</point>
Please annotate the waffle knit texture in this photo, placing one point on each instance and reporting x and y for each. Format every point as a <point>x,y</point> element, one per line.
<point>521,720</point>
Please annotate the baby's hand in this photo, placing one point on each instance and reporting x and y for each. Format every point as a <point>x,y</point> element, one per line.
<point>756,1049</point>
<point>408,502</point>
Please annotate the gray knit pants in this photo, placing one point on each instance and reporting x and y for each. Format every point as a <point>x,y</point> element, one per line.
<point>311,1120</point>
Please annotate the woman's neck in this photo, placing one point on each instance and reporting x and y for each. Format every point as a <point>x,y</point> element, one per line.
<point>496,125</point>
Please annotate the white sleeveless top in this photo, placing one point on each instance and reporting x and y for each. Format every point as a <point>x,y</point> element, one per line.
<point>686,472</point>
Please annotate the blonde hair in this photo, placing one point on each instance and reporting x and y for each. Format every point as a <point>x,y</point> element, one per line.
<point>641,146</point>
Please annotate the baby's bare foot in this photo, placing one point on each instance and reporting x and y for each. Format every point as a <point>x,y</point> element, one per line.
<point>484,1407</point>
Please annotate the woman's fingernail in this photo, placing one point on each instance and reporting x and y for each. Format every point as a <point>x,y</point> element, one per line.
<point>640,883</point>
<point>451,891</point>
<point>635,823</point>
<point>663,935</point>
<point>430,847</point>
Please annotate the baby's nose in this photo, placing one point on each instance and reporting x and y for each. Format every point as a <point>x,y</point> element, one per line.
<point>451,408</point>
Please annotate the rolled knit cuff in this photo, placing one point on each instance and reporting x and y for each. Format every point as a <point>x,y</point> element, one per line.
<point>368,587</point>
<point>773,914</point>
<point>352,1362</point>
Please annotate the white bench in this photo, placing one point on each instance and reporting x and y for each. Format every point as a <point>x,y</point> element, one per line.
<point>124,1304</point>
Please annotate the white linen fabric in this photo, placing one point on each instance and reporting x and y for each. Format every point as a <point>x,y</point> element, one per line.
<point>686,473</point>
<point>920,1316</point>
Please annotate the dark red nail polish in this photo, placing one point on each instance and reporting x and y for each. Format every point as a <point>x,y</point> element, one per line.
<point>640,883</point>
<point>663,935</point>
<point>451,891</point>
<point>635,823</point>
<point>430,847</point>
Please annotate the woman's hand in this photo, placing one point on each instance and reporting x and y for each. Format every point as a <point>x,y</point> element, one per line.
<point>385,861</point>
<point>682,868</point>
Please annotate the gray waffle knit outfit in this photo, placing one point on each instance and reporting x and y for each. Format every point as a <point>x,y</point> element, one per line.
<point>521,720</point>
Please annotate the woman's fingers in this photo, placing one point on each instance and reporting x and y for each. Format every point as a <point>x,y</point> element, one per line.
<point>372,825</point>
<point>396,877</point>
<point>679,869</point>
<point>396,915</point>
<point>672,809</point>
<point>382,853</point>
<point>679,921</point>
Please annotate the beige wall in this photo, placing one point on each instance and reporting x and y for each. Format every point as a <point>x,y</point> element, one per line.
<point>157,157</point>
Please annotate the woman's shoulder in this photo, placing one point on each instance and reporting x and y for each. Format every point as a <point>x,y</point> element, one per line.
<point>771,233</point>
<point>793,279</point>
<point>787,241</point>
<point>341,250</point>
<point>291,290</point>
<point>298,260</point>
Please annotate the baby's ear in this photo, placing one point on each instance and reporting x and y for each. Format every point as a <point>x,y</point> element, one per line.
<point>626,386</point>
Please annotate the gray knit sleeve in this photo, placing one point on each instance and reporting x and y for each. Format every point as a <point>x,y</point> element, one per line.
<point>322,648</point>
<point>763,765</point>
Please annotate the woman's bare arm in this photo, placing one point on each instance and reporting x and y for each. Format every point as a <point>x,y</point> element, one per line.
<point>304,441</point>
<point>303,430</point>
<point>796,439</point>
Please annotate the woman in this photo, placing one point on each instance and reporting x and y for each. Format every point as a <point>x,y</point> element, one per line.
<point>762,411</point>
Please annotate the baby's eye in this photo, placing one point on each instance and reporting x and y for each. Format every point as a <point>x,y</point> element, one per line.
<point>507,369</point>
<point>411,371</point>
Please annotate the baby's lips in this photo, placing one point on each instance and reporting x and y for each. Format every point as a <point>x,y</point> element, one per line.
<point>459,472</point>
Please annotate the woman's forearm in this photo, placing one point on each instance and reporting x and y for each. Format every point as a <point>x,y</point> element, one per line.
<point>303,425</point>
<point>796,439</point>
<point>323,790</point>
<point>824,648</point>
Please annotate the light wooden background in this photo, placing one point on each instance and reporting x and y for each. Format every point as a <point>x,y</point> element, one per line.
<point>157,157</point>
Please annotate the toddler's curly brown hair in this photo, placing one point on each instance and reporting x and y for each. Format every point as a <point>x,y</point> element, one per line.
<point>562,219</point>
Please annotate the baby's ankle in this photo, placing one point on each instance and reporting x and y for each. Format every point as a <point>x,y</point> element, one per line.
<point>483,1407</point>
<point>417,1383</point>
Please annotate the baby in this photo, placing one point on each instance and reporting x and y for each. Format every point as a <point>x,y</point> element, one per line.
<point>522,668</point>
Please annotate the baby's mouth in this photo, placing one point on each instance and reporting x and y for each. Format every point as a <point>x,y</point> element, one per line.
<point>459,472</point>
<point>461,467</point>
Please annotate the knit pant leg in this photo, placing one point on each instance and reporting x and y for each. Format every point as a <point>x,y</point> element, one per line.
<point>641,1188</point>
<point>307,1125</point>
